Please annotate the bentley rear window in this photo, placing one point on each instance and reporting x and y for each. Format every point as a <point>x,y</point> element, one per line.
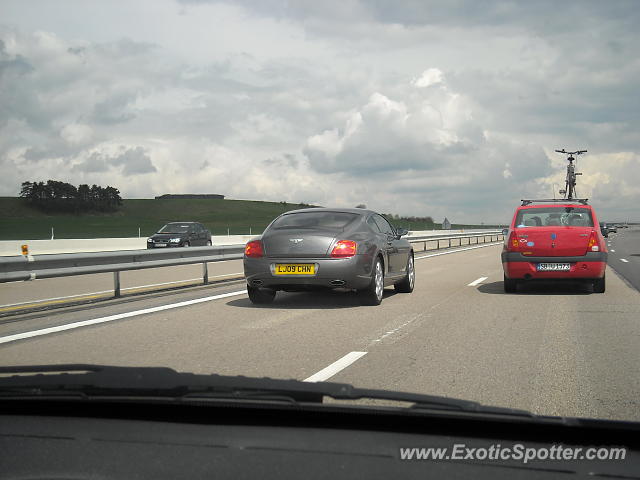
<point>330,220</point>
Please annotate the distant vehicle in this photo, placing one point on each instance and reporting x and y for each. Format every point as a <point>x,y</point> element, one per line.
<point>180,234</point>
<point>604,229</point>
<point>554,242</point>
<point>612,228</point>
<point>356,249</point>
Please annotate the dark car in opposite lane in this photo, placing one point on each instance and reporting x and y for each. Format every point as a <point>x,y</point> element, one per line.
<point>604,229</point>
<point>353,249</point>
<point>180,234</point>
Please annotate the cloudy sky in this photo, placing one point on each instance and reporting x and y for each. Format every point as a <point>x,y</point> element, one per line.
<point>413,107</point>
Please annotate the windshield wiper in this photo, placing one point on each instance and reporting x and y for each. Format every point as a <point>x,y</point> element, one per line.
<point>101,380</point>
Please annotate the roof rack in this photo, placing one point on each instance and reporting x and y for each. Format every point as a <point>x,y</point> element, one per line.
<point>583,201</point>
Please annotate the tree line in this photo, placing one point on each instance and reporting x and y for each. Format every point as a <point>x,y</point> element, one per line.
<point>54,196</point>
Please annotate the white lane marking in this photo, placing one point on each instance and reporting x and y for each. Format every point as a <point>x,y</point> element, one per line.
<point>476,282</point>
<point>111,318</point>
<point>391,332</point>
<point>459,250</point>
<point>122,289</point>
<point>335,367</point>
<point>624,260</point>
<point>612,251</point>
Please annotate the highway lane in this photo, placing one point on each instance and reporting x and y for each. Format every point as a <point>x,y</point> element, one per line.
<point>15,296</point>
<point>65,289</point>
<point>47,318</point>
<point>547,349</point>
<point>624,254</point>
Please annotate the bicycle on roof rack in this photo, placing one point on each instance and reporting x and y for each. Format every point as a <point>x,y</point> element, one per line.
<point>570,182</point>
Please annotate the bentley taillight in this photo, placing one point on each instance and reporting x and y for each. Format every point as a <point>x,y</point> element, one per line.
<point>344,248</point>
<point>254,249</point>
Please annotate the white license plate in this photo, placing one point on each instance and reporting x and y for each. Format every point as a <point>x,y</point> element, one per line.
<point>554,267</point>
<point>160,244</point>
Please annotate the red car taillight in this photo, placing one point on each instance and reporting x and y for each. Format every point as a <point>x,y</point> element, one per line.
<point>514,241</point>
<point>344,248</point>
<point>593,245</point>
<point>254,249</point>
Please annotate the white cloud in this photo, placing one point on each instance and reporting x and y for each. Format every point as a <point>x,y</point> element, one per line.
<point>431,76</point>
<point>506,173</point>
<point>412,132</point>
<point>416,108</point>
<point>331,142</point>
<point>76,134</point>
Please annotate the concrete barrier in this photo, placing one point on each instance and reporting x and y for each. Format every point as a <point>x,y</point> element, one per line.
<point>86,245</point>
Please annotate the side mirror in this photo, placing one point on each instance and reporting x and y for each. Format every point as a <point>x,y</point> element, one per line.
<point>401,232</point>
<point>505,231</point>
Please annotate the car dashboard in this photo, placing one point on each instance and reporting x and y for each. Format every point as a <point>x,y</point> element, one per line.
<point>104,440</point>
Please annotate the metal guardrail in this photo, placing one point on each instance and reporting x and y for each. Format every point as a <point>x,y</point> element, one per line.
<point>490,235</point>
<point>455,235</point>
<point>31,267</point>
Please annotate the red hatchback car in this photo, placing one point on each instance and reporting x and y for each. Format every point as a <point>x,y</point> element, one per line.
<point>561,241</point>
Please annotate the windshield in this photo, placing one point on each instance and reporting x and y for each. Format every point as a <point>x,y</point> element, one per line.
<point>554,216</point>
<point>298,140</point>
<point>174,228</point>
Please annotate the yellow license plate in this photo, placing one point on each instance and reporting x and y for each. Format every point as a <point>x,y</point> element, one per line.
<point>295,269</point>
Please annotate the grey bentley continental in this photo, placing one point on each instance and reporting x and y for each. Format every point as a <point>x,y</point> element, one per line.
<point>354,249</point>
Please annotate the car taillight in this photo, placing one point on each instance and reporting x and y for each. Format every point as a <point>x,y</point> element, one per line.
<point>593,245</point>
<point>253,249</point>
<point>514,241</point>
<point>344,248</point>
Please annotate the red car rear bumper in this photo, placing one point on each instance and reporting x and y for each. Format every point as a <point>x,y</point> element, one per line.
<point>517,266</point>
<point>578,270</point>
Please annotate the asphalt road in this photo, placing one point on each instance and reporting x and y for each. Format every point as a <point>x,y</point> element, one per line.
<point>19,296</point>
<point>49,291</point>
<point>624,254</point>
<point>549,349</point>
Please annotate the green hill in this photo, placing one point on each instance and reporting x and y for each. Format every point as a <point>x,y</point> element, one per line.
<point>19,221</point>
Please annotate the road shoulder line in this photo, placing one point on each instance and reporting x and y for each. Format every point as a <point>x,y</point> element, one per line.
<point>111,318</point>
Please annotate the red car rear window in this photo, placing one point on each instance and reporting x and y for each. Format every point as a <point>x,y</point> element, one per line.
<point>554,216</point>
